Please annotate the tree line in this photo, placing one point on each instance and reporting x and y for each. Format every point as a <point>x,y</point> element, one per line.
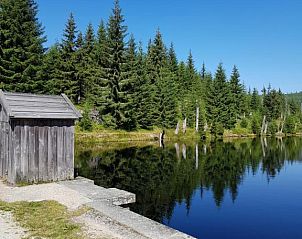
<point>127,86</point>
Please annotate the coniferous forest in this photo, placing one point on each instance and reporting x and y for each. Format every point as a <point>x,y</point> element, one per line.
<point>132,85</point>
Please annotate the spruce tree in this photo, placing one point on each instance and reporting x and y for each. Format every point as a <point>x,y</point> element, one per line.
<point>156,60</point>
<point>100,94</point>
<point>66,81</point>
<point>255,100</point>
<point>218,100</point>
<point>143,93</point>
<point>172,60</point>
<point>130,86</point>
<point>115,72</point>
<point>21,50</point>
<point>51,69</point>
<point>85,64</point>
<point>236,104</point>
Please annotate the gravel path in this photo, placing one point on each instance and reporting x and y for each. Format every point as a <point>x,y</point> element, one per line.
<point>8,228</point>
<point>94,227</point>
<point>41,192</point>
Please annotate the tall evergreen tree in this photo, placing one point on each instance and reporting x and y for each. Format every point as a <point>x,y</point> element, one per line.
<point>255,101</point>
<point>100,93</point>
<point>236,104</point>
<point>172,60</point>
<point>21,50</point>
<point>115,72</point>
<point>85,64</point>
<point>66,80</point>
<point>218,100</point>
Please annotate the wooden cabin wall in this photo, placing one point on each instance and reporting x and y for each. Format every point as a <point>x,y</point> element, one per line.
<point>42,150</point>
<point>4,134</point>
<point>4,148</point>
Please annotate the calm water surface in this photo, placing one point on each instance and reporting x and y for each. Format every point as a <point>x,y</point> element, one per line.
<point>240,189</point>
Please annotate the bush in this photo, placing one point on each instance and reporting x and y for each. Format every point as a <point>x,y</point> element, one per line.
<point>244,123</point>
<point>86,121</point>
<point>289,126</point>
<point>219,129</point>
<point>255,124</point>
<point>272,127</point>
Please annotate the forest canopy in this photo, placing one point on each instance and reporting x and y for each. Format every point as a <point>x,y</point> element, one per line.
<point>126,87</point>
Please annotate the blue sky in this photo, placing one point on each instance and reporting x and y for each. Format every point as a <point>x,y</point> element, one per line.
<point>262,37</point>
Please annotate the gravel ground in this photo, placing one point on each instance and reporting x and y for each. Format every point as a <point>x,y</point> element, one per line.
<point>8,228</point>
<point>41,192</point>
<point>94,226</point>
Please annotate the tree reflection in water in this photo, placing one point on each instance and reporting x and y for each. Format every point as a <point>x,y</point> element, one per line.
<point>163,177</point>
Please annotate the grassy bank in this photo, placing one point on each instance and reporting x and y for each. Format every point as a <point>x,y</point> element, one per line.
<point>47,219</point>
<point>105,135</point>
<point>140,136</point>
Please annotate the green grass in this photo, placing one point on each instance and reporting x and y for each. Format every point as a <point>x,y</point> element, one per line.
<point>107,135</point>
<point>46,219</point>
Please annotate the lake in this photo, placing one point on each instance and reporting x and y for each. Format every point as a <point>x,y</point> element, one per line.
<point>248,188</point>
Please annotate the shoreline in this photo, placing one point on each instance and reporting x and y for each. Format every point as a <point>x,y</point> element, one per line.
<point>153,136</point>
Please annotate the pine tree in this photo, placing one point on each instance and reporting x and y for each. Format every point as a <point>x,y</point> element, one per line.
<point>156,60</point>
<point>255,100</point>
<point>85,64</point>
<point>172,60</point>
<point>203,71</point>
<point>100,94</point>
<point>66,80</point>
<point>143,95</point>
<point>115,73</point>
<point>21,50</point>
<point>51,69</point>
<point>167,105</point>
<point>218,100</point>
<point>236,104</point>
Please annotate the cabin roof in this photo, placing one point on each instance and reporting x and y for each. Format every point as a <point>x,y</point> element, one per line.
<point>30,106</point>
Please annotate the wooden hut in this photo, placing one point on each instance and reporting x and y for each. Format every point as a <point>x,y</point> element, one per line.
<point>36,137</point>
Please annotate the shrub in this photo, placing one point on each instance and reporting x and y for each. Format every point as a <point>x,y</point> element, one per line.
<point>255,124</point>
<point>244,123</point>
<point>86,121</point>
<point>272,127</point>
<point>289,126</point>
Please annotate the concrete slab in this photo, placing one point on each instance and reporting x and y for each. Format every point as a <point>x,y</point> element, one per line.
<point>87,189</point>
<point>142,225</point>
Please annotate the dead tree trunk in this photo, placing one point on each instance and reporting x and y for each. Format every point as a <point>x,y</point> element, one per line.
<point>263,125</point>
<point>177,128</point>
<point>184,126</point>
<point>176,145</point>
<point>197,118</point>
<point>184,151</point>
<point>204,149</point>
<point>263,147</point>
<point>196,156</point>
<point>161,139</point>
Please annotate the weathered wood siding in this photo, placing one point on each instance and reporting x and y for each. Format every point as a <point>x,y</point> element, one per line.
<point>4,134</point>
<point>4,148</point>
<point>41,150</point>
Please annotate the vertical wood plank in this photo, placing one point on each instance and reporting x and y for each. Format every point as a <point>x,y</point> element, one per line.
<point>70,150</point>
<point>17,151</point>
<point>42,173</point>
<point>1,148</point>
<point>31,154</point>
<point>36,150</point>
<point>50,163</point>
<point>54,152</point>
<point>60,141</point>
